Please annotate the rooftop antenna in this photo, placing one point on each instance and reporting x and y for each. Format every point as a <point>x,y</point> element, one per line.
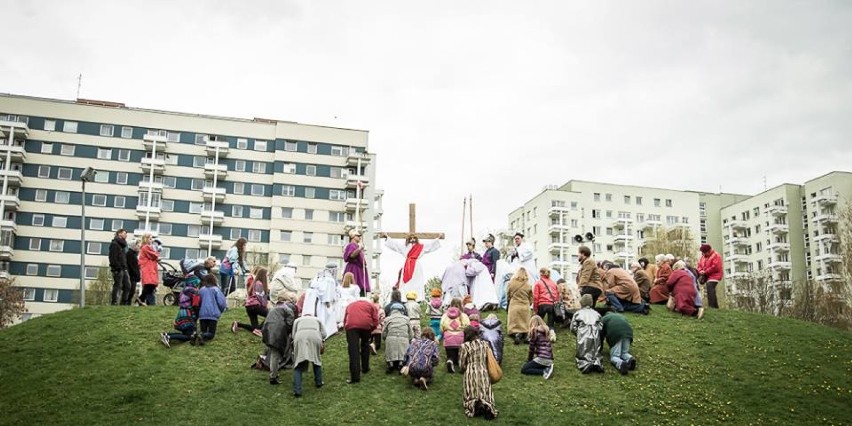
<point>79,84</point>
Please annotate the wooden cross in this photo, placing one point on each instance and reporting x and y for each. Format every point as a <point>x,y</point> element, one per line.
<point>411,229</point>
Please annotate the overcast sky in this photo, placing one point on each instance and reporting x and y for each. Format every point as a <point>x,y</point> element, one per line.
<point>490,98</point>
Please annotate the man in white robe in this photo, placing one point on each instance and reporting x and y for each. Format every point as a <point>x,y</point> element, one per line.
<point>453,283</point>
<point>320,298</point>
<point>522,255</point>
<point>411,276</point>
<point>285,278</point>
<point>482,289</point>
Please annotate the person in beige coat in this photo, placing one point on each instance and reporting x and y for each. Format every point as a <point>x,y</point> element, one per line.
<point>519,297</point>
<point>643,280</point>
<point>589,277</point>
<point>622,293</point>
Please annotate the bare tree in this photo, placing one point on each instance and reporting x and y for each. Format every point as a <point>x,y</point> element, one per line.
<point>11,302</point>
<point>758,292</point>
<point>98,290</point>
<point>676,241</point>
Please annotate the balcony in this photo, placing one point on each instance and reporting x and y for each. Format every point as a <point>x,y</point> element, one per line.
<point>780,247</point>
<point>143,211</point>
<point>651,224</point>
<point>623,238</point>
<point>739,275</point>
<point>826,199</point>
<point>827,238</point>
<point>9,225</point>
<point>353,179</point>
<point>557,228</point>
<point>13,176</point>
<point>20,132</point>
<point>779,228</point>
<point>216,216</point>
<point>155,186</point>
<point>6,252</point>
<point>353,157</point>
<point>139,232</point>
<point>207,240</point>
<point>4,275</point>
<point>624,255</point>
<point>738,258</point>
<point>151,141</point>
<point>825,218</point>
<point>622,223</point>
<point>558,247</point>
<point>830,258</point>
<point>212,146</point>
<point>209,193</point>
<point>777,210</point>
<point>738,241</point>
<point>158,164</point>
<point>829,276</point>
<point>353,204</point>
<point>557,211</point>
<point>736,224</point>
<point>211,169</point>
<point>781,265</point>
<point>11,201</point>
<point>17,153</point>
<point>559,264</point>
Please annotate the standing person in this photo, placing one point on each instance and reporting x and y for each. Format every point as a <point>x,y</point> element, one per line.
<point>545,296</point>
<point>118,267</point>
<point>149,266</point>
<point>619,336</point>
<point>477,396</point>
<point>491,256</point>
<point>349,292</point>
<point>257,290</point>
<point>187,315</point>
<point>411,276</point>
<point>710,268</point>
<point>586,325</point>
<point>422,358</point>
<point>452,328</point>
<point>490,330</point>
<point>277,333</point>
<point>540,356</point>
<point>589,277</point>
<point>412,309</point>
<point>321,297</point>
<point>360,319</point>
<point>471,251</point>
<point>308,336</point>
<point>659,293</point>
<point>642,280</point>
<point>396,331</point>
<point>436,311</point>
<point>133,273</point>
<point>622,293</point>
<point>353,255</point>
<point>519,298</point>
<point>232,264</point>
<point>376,335</point>
<point>212,305</point>
<point>523,256</point>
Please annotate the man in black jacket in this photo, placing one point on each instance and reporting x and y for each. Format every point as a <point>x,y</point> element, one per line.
<point>118,267</point>
<point>132,271</point>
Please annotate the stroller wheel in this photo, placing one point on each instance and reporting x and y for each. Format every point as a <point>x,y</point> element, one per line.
<point>169,299</point>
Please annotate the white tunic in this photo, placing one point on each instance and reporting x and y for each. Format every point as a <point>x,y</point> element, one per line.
<point>418,280</point>
<point>482,289</point>
<point>320,300</point>
<point>347,296</point>
<point>526,259</point>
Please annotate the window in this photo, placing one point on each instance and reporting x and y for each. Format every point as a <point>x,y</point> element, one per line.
<point>287,212</point>
<point>167,205</point>
<point>334,240</point>
<point>91,272</point>
<point>28,293</point>
<point>96,224</point>
<point>596,230</point>
<point>51,295</point>
<point>307,259</point>
<point>41,195</point>
<point>256,189</point>
<point>61,197</point>
<point>283,258</point>
<point>118,201</point>
<point>310,192</point>
<point>46,148</point>
<point>121,178</point>
<point>255,213</point>
<point>69,127</point>
<point>242,143</point>
<point>165,229</point>
<point>290,146</point>
<point>123,155</point>
<point>596,214</point>
<point>173,137</point>
<point>258,167</point>
<point>311,170</point>
<point>169,181</point>
<point>59,221</point>
<point>312,148</point>
<point>236,211</point>
<point>106,130</point>
<point>117,224</point>
<point>336,217</point>
<point>38,220</point>
<point>99,200</point>
<point>166,252</point>
<point>236,234</point>
<point>193,230</point>
<point>195,253</point>
<point>54,270</point>
<point>309,214</point>
<point>67,150</point>
<point>196,208</point>
<point>126,132</point>
<point>104,153</point>
<point>102,177</point>
<point>239,165</point>
<point>597,196</point>
<point>200,139</point>
<point>49,125</point>
<point>684,219</point>
<point>626,199</point>
<point>64,173</point>
<point>199,161</point>
<point>339,151</point>
<point>609,213</point>
<point>93,248</point>
<point>288,191</point>
<point>32,269</point>
<point>337,194</point>
<point>196,184</point>
<point>668,203</point>
<point>254,235</point>
<point>286,235</point>
<point>44,172</point>
<point>289,168</point>
<point>239,188</point>
<point>260,146</point>
<point>35,244</point>
<point>638,200</point>
<point>609,197</point>
<point>308,237</point>
<point>657,202</point>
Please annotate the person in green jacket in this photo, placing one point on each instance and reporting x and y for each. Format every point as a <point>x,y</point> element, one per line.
<point>619,334</point>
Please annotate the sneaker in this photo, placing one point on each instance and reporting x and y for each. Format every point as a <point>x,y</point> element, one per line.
<point>234,326</point>
<point>450,368</point>
<point>140,302</point>
<point>193,340</point>
<point>274,381</point>
<point>297,395</point>
<point>552,335</point>
<point>623,368</point>
<point>423,384</point>
<point>548,372</point>
<point>631,364</point>
<point>164,338</point>
<point>320,385</point>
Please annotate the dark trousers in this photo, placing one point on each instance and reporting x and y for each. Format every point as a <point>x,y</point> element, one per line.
<point>130,293</point>
<point>148,295</point>
<point>711,294</point>
<point>594,291</point>
<point>453,355</point>
<point>183,336</point>
<point>377,341</point>
<point>297,376</point>
<point>358,344</point>
<point>227,283</point>
<point>208,329</point>
<point>533,368</point>
<point>551,314</point>
<point>254,312</point>
<point>120,286</point>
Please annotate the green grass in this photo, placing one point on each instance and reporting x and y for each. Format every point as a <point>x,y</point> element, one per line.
<point>105,365</point>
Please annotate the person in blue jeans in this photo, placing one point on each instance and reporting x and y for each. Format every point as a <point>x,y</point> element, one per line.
<point>619,335</point>
<point>212,305</point>
<point>308,335</point>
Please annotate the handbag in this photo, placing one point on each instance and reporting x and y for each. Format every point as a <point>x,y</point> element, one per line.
<point>495,373</point>
<point>558,306</point>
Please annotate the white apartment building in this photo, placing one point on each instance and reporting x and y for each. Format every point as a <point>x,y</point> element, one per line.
<point>198,182</point>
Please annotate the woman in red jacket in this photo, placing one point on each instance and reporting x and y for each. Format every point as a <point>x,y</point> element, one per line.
<point>545,296</point>
<point>149,259</point>
<point>710,268</point>
<point>682,288</point>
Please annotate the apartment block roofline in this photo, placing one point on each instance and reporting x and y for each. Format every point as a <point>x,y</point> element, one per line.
<point>829,174</point>
<point>118,105</point>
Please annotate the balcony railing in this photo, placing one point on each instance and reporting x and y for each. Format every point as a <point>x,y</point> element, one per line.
<point>353,179</point>
<point>556,211</point>
<point>211,169</point>
<point>557,228</point>
<point>830,258</point>
<point>215,215</point>
<point>353,157</point>
<point>353,204</point>
<point>738,258</point>
<point>825,218</point>
<point>211,147</point>
<point>826,199</point>
<point>209,192</point>
<point>828,238</point>
<point>149,141</point>
<point>14,177</point>
<point>208,240</point>
<point>781,247</point>
<point>11,201</point>
<point>829,276</point>
<point>143,211</point>
<point>738,241</point>
<point>780,264</point>
<point>779,228</point>
<point>777,210</point>
<point>558,247</point>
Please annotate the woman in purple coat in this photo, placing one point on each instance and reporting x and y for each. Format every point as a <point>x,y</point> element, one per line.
<point>353,255</point>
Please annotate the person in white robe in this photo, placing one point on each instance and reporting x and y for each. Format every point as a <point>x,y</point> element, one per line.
<point>453,283</point>
<point>321,297</point>
<point>522,255</point>
<point>349,292</point>
<point>286,279</point>
<point>411,276</point>
<point>482,289</point>
<point>504,273</point>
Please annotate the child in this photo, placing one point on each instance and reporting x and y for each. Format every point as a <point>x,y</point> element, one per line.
<point>619,335</point>
<point>187,315</point>
<point>540,356</point>
<point>586,324</point>
<point>413,309</point>
<point>490,331</point>
<point>257,289</point>
<point>397,334</point>
<point>452,326</point>
<point>212,305</point>
<point>421,359</point>
<point>376,336</point>
<point>471,312</point>
<point>308,334</point>
<point>436,311</point>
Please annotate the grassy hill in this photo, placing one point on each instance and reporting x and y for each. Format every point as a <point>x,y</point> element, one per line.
<point>105,365</point>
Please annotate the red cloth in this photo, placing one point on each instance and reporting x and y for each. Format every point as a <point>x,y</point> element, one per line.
<point>711,266</point>
<point>540,294</point>
<point>148,266</point>
<point>683,290</point>
<point>361,315</point>
<point>411,261</point>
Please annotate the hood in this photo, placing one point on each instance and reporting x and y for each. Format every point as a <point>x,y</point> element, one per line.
<point>453,313</point>
<point>435,302</point>
<point>491,323</point>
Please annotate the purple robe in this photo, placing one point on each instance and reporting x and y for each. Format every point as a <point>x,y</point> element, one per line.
<point>356,266</point>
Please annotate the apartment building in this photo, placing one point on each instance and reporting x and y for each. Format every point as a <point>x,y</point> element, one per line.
<point>198,182</point>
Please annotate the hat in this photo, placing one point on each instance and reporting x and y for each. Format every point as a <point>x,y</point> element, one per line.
<point>488,239</point>
<point>705,248</point>
<point>331,265</point>
<point>435,292</point>
<point>519,234</point>
<point>411,295</point>
<point>586,301</point>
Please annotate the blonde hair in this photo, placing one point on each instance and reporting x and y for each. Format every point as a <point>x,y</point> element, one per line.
<point>537,322</point>
<point>146,239</point>
<point>521,275</point>
<point>348,279</point>
<point>375,297</point>
<point>678,265</point>
<point>544,271</point>
<point>456,303</point>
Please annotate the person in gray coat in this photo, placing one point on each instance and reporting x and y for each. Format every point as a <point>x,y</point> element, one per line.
<point>397,333</point>
<point>490,330</point>
<point>308,335</point>
<point>277,333</point>
<point>587,325</point>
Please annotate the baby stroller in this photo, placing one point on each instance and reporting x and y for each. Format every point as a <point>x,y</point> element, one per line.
<point>174,280</point>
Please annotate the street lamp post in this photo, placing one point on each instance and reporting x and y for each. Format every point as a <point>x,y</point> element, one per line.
<point>87,175</point>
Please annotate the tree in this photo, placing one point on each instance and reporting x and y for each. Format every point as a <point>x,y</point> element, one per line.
<point>431,283</point>
<point>98,290</point>
<point>676,241</point>
<point>758,292</point>
<point>11,302</point>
